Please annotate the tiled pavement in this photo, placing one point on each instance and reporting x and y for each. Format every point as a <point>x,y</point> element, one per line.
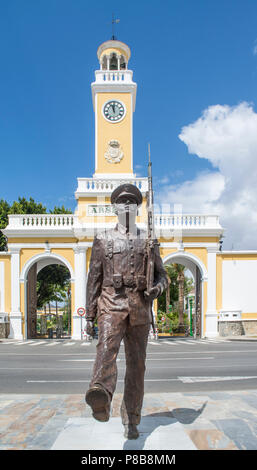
<point>210,420</point>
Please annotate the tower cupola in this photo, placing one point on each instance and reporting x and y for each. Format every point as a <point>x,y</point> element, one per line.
<point>113,55</point>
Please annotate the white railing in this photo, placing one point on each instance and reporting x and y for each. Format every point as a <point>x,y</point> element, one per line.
<point>103,76</point>
<point>105,185</point>
<point>41,221</point>
<point>69,222</point>
<point>190,221</point>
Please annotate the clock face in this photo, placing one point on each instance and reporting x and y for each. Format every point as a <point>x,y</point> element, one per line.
<point>114,111</point>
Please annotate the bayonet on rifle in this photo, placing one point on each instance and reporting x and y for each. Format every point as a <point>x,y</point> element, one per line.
<point>151,236</point>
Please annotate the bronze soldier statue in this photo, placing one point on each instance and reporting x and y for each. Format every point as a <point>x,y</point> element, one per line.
<point>116,294</point>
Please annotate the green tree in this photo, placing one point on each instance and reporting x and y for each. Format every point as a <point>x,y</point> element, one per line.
<point>4,211</point>
<point>173,271</point>
<point>60,210</point>
<point>52,284</point>
<point>22,206</point>
<point>180,272</point>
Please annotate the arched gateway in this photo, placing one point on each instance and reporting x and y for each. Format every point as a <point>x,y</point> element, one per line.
<point>200,274</point>
<point>29,277</point>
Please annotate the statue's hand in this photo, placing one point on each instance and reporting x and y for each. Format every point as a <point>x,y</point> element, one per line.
<point>153,293</point>
<point>90,327</point>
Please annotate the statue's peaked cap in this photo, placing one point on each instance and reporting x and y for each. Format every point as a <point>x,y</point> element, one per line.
<point>129,190</point>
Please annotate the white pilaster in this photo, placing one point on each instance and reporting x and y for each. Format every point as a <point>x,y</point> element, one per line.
<point>211,313</point>
<point>15,314</point>
<point>80,289</point>
<point>2,290</point>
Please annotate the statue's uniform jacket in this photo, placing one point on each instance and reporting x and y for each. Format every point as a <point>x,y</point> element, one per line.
<point>116,279</point>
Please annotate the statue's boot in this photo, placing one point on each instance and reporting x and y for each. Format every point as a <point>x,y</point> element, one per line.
<point>131,431</point>
<point>100,402</point>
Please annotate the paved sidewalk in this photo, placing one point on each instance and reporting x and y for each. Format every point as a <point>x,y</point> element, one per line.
<point>238,338</point>
<point>201,421</point>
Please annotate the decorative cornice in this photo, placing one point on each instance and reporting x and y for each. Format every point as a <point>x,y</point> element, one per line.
<point>15,250</point>
<point>114,87</point>
<point>80,248</point>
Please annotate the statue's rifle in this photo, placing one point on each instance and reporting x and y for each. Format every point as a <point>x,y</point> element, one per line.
<point>150,237</point>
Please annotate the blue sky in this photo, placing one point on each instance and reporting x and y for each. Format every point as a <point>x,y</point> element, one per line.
<point>187,56</point>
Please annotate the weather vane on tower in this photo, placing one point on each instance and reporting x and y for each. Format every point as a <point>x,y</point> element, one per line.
<point>114,21</point>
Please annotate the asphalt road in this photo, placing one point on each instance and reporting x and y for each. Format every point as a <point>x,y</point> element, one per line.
<point>186,365</point>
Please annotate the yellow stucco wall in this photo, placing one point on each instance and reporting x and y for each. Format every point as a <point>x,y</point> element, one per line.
<point>190,239</point>
<point>121,131</point>
<point>66,253</point>
<point>88,256</point>
<point>30,240</point>
<point>249,316</point>
<point>230,256</point>
<point>23,307</point>
<point>27,253</point>
<point>72,304</point>
<point>200,253</point>
<point>239,256</point>
<point>218,282</point>
<point>7,281</point>
<point>204,307</point>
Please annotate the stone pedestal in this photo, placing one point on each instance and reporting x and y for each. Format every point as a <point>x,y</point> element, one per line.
<point>155,433</point>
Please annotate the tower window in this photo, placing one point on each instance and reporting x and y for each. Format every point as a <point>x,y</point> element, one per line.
<point>113,62</point>
<point>104,63</point>
<point>123,64</point>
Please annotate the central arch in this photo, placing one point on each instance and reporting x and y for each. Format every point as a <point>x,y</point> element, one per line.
<point>200,274</point>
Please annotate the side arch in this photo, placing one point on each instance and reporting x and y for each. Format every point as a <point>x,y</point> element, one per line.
<point>200,274</point>
<point>28,278</point>
<point>189,260</point>
<point>42,257</point>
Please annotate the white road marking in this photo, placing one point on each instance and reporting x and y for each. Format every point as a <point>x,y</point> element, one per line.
<point>23,342</point>
<point>55,381</point>
<point>82,360</point>
<point>9,342</point>
<point>190,380</point>
<point>53,343</point>
<point>36,343</point>
<point>86,381</point>
<point>179,358</point>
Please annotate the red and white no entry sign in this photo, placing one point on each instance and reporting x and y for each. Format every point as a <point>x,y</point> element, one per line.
<point>81,311</point>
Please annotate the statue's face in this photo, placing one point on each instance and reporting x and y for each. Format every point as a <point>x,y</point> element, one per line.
<point>126,205</point>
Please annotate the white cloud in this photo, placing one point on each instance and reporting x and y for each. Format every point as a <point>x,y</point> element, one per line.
<point>190,193</point>
<point>227,137</point>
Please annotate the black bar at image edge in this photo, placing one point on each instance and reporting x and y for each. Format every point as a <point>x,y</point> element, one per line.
<point>115,458</point>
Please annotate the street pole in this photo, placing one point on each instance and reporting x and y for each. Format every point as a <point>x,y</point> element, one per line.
<point>191,320</point>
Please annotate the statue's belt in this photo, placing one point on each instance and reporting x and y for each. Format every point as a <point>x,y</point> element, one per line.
<point>119,280</point>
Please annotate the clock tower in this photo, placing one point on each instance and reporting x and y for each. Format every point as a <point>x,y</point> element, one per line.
<point>114,100</point>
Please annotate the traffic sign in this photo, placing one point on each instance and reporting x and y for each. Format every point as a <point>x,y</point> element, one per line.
<point>81,311</point>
